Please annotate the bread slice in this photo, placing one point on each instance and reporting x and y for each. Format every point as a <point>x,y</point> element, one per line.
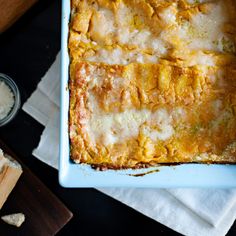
<point>16,219</point>
<point>10,172</point>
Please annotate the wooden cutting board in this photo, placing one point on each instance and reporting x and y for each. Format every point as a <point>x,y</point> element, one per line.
<point>12,10</point>
<point>45,213</point>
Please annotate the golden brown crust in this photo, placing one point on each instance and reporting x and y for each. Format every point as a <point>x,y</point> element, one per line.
<point>133,105</point>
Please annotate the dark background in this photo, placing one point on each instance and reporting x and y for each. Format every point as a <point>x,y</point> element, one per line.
<point>26,52</point>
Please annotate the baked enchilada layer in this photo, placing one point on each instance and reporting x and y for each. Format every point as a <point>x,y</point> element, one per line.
<point>152,82</point>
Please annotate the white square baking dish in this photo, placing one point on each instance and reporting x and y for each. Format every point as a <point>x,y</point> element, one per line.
<point>81,175</point>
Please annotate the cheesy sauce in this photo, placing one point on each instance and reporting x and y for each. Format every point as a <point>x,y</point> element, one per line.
<point>152,82</point>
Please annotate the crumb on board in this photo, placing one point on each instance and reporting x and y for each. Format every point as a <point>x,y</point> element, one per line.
<point>16,219</point>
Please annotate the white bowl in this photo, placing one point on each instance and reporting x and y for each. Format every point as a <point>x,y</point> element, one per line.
<point>17,101</point>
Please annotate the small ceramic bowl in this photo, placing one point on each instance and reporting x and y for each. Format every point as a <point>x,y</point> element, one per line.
<point>17,101</point>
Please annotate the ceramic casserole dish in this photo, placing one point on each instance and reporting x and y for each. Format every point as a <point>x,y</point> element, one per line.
<point>163,176</point>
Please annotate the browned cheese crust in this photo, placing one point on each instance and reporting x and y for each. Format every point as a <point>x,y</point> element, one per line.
<point>152,82</point>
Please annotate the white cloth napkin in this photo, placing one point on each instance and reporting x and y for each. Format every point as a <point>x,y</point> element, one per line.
<point>191,212</point>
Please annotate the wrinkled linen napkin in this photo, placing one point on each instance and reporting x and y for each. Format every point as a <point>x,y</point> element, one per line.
<point>191,212</point>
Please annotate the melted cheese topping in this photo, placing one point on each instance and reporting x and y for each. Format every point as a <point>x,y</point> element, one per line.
<point>118,127</point>
<point>102,25</point>
<point>168,15</point>
<point>205,31</point>
<point>121,57</point>
<point>153,33</point>
<point>152,81</point>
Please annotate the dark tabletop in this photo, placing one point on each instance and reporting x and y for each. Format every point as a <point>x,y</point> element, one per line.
<point>26,52</point>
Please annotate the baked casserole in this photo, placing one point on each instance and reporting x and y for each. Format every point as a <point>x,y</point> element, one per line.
<point>152,81</point>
